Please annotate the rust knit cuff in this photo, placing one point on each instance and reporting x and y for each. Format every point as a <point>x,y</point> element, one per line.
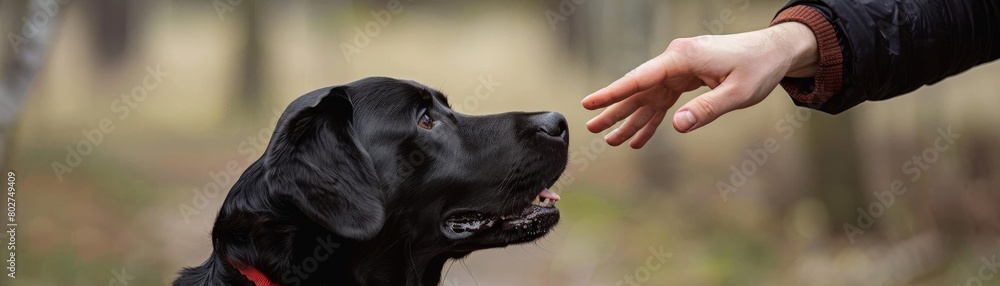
<point>829,75</point>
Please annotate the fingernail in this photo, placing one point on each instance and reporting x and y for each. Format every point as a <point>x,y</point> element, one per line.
<point>685,120</point>
<point>612,133</point>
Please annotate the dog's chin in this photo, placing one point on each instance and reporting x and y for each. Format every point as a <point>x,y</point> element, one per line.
<point>477,230</point>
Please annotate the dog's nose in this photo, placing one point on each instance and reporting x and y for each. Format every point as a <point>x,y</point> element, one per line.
<point>552,124</point>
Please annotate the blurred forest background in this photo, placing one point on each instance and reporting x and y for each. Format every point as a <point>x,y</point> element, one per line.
<point>170,93</point>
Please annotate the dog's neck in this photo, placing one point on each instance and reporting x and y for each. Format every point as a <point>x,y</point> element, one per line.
<point>275,238</point>
<point>397,267</point>
<point>392,259</point>
<point>305,252</point>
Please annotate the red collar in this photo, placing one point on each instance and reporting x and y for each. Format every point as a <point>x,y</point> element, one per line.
<point>258,278</point>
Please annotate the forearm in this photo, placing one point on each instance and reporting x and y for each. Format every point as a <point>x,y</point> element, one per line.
<point>820,77</point>
<point>802,46</point>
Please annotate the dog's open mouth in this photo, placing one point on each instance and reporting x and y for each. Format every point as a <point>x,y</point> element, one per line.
<point>540,215</point>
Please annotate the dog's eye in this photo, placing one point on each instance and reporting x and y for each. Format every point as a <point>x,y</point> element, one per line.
<point>425,122</point>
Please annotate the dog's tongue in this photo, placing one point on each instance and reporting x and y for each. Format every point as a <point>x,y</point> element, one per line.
<point>548,194</point>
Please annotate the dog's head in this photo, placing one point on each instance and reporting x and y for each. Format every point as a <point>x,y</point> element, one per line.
<point>382,157</point>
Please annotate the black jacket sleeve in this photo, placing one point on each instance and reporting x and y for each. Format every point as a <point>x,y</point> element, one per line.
<point>892,47</point>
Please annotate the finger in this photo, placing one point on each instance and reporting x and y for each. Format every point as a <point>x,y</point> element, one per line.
<point>642,78</point>
<point>707,107</point>
<point>613,114</point>
<point>623,109</point>
<point>638,120</point>
<point>647,132</point>
<point>631,125</point>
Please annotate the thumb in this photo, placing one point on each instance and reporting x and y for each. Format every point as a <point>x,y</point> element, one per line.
<point>707,107</point>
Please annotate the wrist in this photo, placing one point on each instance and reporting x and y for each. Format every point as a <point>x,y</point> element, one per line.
<point>802,49</point>
<point>819,66</point>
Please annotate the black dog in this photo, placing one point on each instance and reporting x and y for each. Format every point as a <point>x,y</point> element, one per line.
<point>379,182</point>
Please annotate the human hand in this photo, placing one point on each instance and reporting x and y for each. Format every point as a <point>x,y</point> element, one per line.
<point>741,69</point>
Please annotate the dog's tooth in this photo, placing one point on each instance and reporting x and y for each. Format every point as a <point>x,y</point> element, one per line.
<point>536,202</point>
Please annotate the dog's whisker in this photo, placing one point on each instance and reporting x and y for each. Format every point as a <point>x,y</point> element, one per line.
<point>507,178</point>
<point>508,252</point>
<point>539,245</point>
<point>351,170</point>
<point>413,265</point>
<point>470,272</point>
<point>388,247</point>
<point>529,252</point>
<point>556,232</point>
<point>448,270</point>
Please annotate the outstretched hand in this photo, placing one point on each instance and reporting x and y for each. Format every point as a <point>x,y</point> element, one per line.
<point>741,69</point>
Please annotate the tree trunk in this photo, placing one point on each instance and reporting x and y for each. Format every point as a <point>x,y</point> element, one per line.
<point>250,96</point>
<point>19,70</point>
<point>615,38</point>
<point>835,178</point>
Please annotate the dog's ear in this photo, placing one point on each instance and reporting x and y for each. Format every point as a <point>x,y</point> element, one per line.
<point>315,159</point>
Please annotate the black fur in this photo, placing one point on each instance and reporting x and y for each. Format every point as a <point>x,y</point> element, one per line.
<point>352,191</point>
